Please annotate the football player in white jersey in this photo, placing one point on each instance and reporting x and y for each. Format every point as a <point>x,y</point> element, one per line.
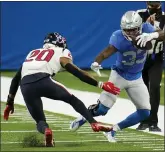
<point>34,78</point>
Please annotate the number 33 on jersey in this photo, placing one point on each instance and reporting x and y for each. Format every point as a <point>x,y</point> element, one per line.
<point>44,60</point>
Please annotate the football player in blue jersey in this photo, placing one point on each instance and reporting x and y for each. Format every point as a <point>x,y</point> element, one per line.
<point>126,74</point>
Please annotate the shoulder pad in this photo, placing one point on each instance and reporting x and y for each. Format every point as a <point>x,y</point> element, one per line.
<point>67,54</point>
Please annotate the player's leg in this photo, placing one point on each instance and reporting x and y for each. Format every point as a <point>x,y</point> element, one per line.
<point>55,90</point>
<point>155,75</point>
<point>104,103</point>
<point>34,104</point>
<point>139,95</point>
<point>95,110</point>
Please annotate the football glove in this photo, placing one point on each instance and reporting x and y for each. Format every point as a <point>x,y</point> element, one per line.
<point>145,37</point>
<point>109,87</point>
<point>96,68</point>
<point>9,108</point>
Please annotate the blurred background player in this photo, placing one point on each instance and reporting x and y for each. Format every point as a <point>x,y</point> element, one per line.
<point>153,68</point>
<point>35,82</point>
<point>126,74</point>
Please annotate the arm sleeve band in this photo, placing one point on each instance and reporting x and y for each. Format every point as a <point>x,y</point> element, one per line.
<point>15,82</point>
<point>70,68</point>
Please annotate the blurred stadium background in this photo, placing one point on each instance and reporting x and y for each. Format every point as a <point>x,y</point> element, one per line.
<point>87,27</point>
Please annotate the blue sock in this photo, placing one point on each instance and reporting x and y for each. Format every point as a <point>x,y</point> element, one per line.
<point>134,118</point>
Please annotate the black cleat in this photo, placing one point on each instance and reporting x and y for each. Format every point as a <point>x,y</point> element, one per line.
<point>154,128</point>
<point>142,127</point>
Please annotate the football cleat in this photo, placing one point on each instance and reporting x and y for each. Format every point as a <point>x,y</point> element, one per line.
<point>154,128</point>
<point>110,136</point>
<point>49,138</point>
<point>142,126</point>
<point>77,123</point>
<point>100,127</point>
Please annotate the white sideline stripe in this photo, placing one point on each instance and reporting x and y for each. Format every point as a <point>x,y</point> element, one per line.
<point>63,122</point>
<point>53,120</point>
<point>131,136</point>
<point>3,122</point>
<point>19,116</point>
<point>152,147</point>
<point>137,142</point>
<point>142,139</point>
<point>87,132</point>
<point>32,122</point>
<point>6,122</point>
<point>63,141</point>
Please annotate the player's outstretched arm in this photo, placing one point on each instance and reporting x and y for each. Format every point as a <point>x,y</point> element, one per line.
<point>85,77</point>
<point>15,83</point>
<point>12,92</point>
<point>107,52</point>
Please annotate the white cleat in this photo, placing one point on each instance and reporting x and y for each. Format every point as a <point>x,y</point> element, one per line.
<point>77,123</point>
<point>110,136</point>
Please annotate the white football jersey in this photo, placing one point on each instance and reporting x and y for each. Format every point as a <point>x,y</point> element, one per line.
<point>44,61</point>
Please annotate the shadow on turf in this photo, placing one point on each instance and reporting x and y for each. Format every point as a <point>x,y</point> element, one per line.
<point>32,140</point>
<point>37,140</point>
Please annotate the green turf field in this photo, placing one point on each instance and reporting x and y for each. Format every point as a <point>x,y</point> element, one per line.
<point>20,126</point>
<point>72,82</point>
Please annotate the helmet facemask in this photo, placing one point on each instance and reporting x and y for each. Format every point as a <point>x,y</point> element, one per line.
<point>132,33</point>
<point>56,39</point>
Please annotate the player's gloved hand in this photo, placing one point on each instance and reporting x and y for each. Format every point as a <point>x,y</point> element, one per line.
<point>9,107</point>
<point>96,68</point>
<point>145,37</point>
<point>109,87</point>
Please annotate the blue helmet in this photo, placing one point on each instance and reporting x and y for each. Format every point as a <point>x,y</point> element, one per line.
<point>56,39</point>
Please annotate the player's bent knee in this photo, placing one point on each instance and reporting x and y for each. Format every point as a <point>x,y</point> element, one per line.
<point>107,99</point>
<point>143,113</point>
<point>98,109</point>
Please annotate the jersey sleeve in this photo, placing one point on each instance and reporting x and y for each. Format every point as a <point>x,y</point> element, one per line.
<point>148,28</point>
<point>114,40</point>
<point>67,54</point>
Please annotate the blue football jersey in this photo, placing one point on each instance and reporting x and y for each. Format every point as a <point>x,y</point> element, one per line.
<point>130,60</point>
